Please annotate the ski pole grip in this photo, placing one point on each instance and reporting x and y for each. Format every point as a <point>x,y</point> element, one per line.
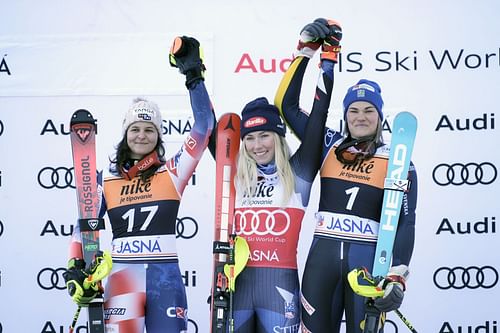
<point>94,224</point>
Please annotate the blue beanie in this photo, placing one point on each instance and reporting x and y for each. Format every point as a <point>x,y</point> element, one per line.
<point>364,90</point>
<point>259,115</point>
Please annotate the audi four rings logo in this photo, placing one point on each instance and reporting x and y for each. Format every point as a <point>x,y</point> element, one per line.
<point>472,277</point>
<point>59,177</point>
<point>186,227</point>
<point>459,174</point>
<point>262,222</point>
<point>51,278</point>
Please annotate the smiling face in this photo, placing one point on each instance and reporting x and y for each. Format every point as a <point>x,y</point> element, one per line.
<point>362,119</point>
<point>142,138</point>
<point>260,146</point>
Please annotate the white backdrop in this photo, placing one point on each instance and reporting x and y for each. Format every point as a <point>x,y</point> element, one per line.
<point>437,59</point>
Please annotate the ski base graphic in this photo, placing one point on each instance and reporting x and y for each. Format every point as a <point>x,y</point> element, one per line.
<point>404,129</point>
<point>83,130</point>
<point>227,146</point>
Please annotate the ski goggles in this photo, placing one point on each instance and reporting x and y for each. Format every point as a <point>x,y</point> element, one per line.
<point>368,286</point>
<point>350,152</point>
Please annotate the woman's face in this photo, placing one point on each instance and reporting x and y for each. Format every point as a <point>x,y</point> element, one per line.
<point>142,138</point>
<point>260,146</point>
<point>362,119</point>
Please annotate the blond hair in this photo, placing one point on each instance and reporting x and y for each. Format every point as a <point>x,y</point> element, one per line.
<point>246,174</point>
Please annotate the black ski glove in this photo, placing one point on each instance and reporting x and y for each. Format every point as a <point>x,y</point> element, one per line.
<point>187,55</point>
<point>74,277</point>
<point>321,31</point>
<point>394,286</point>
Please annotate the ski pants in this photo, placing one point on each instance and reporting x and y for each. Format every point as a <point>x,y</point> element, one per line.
<point>267,301</point>
<point>326,293</point>
<point>150,296</point>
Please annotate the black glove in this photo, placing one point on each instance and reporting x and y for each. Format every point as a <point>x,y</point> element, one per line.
<point>311,38</point>
<point>326,33</point>
<point>75,277</point>
<point>334,35</point>
<point>392,299</point>
<point>394,286</point>
<point>319,29</point>
<point>186,54</point>
<point>331,43</point>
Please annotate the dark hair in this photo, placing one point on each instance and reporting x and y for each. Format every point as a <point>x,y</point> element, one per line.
<point>122,156</point>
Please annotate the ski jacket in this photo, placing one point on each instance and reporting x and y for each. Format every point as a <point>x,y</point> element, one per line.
<point>351,195</point>
<point>270,226</point>
<point>143,214</point>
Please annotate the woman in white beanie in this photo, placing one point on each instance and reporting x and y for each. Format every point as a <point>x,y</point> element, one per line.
<point>141,193</point>
<point>353,168</point>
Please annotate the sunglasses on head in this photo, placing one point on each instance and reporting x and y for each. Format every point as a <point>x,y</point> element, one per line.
<point>351,151</point>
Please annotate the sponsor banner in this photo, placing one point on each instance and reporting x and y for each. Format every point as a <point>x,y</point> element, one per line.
<point>52,66</point>
<point>347,227</point>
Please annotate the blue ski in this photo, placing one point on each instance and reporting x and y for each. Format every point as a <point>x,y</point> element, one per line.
<point>404,130</point>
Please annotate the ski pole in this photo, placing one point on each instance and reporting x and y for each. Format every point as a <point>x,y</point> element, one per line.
<point>231,319</point>
<point>97,271</point>
<point>238,260</point>
<point>405,321</point>
<point>75,319</point>
<point>231,277</point>
<point>372,291</point>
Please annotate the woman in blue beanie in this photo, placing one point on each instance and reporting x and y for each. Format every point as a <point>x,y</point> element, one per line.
<point>272,194</point>
<point>353,168</point>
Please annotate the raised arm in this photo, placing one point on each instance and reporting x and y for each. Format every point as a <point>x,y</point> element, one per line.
<point>307,160</point>
<point>321,32</point>
<point>185,54</point>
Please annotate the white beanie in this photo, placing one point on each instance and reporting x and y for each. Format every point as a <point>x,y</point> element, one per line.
<point>143,110</point>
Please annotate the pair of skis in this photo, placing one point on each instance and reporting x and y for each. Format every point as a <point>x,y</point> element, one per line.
<point>83,130</point>
<point>227,266</point>
<point>230,252</point>
<point>404,130</point>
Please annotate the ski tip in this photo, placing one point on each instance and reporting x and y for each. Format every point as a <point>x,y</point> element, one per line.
<point>229,116</point>
<point>404,121</point>
<point>406,114</point>
<point>229,121</point>
<point>82,116</point>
